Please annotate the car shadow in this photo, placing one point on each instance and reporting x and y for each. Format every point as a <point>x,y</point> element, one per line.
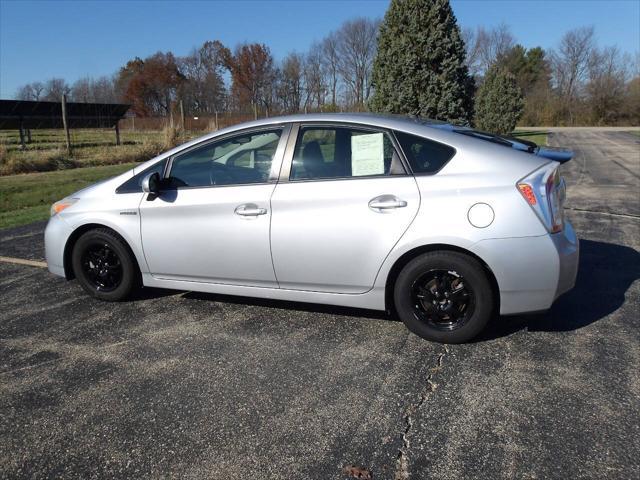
<point>606,271</point>
<point>287,305</point>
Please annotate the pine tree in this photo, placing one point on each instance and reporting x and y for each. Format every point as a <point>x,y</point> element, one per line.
<point>420,65</point>
<point>499,104</point>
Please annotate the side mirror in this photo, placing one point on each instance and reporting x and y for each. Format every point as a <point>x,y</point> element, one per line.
<point>151,183</point>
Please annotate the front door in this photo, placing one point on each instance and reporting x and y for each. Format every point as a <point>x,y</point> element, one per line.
<point>211,221</point>
<point>344,205</point>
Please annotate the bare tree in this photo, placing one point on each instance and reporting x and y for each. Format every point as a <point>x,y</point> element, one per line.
<point>485,46</point>
<point>331,62</point>
<point>357,50</point>
<point>291,82</point>
<point>54,88</point>
<point>607,84</point>
<point>81,91</point>
<point>103,90</point>
<point>570,65</point>
<point>25,92</point>
<point>30,91</point>
<point>314,77</point>
<point>204,90</point>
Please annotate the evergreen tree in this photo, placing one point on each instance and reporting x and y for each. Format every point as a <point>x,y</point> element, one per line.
<point>420,65</point>
<point>530,67</point>
<point>499,103</point>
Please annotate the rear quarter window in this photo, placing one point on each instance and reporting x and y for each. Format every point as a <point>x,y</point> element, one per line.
<point>425,156</point>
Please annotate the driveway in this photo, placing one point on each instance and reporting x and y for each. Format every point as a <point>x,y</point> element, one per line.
<point>180,384</point>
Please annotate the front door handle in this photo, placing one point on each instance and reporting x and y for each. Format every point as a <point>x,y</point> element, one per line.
<point>250,210</point>
<point>386,202</point>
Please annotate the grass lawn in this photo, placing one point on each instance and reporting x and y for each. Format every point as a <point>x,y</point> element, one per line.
<point>90,148</point>
<point>27,198</point>
<point>534,136</point>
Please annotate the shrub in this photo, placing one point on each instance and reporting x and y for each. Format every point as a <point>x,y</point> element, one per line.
<point>173,136</point>
<point>499,103</point>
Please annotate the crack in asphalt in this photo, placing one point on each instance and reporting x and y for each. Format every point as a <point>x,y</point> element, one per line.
<point>402,461</point>
<point>586,210</point>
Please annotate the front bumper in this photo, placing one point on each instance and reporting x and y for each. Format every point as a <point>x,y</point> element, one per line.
<point>532,272</point>
<point>56,235</point>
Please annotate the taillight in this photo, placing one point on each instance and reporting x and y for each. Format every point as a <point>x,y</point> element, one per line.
<point>554,183</point>
<point>544,191</point>
<point>527,192</point>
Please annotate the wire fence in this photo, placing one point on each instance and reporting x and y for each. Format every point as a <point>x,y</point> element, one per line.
<point>191,123</point>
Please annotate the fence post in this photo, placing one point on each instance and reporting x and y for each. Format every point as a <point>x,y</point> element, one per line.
<point>22,145</point>
<point>65,123</point>
<point>117,134</point>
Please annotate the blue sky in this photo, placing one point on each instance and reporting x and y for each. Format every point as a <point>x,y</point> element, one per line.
<point>72,39</point>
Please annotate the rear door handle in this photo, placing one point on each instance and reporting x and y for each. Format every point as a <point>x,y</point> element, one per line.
<point>386,202</point>
<point>250,210</point>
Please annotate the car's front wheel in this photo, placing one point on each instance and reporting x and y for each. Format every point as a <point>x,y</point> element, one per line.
<point>444,296</point>
<point>103,265</point>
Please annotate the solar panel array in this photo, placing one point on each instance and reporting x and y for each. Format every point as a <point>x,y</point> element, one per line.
<point>23,114</point>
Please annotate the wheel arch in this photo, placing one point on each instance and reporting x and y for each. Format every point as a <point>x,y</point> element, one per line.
<point>77,233</point>
<point>406,257</point>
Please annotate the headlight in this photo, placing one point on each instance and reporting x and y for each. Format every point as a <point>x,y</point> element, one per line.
<point>62,204</point>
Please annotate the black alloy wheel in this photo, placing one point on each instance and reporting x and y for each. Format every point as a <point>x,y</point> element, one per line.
<point>104,265</point>
<point>444,296</point>
<point>442,299</point>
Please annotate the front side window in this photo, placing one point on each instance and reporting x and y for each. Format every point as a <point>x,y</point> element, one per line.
<point>243,159</point>
<point>424,155</point>
<point>338,152</point>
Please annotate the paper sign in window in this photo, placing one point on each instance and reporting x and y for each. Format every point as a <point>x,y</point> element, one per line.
<point>367,154</point>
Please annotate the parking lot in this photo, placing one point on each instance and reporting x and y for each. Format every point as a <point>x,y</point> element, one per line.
<point>180,384</point>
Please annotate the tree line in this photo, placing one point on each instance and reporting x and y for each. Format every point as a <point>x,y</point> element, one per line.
<point>416,60</point>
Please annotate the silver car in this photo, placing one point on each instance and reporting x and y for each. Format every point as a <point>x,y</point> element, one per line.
<point>445,226</point>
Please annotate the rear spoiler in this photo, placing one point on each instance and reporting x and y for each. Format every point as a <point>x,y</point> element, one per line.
<point>561,155</point>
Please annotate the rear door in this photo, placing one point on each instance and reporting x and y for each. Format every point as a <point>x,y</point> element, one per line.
<point>343,201</point>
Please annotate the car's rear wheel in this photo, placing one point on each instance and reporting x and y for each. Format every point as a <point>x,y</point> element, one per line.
<point>103,265</point>
<point>444,296</point>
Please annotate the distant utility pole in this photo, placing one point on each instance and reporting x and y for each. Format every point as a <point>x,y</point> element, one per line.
<point>65,123</point>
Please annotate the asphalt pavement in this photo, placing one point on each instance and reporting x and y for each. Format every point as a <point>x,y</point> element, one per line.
<point>183,384</point>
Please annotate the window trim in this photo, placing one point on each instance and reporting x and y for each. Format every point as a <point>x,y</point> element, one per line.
<point>285,172</point>
<point>408,163</point>
<point>119,190</point>
<point>276,162</point>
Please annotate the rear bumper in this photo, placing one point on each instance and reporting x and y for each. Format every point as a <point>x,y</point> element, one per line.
<point>568,248</point>
<point>532,272</point>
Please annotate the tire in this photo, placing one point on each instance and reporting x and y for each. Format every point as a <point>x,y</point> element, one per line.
<point>444,296</point>
<point>104,266</point>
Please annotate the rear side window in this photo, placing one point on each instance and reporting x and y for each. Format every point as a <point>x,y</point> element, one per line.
<point>134,184</point>
<point>341,152</point>
<point>425,156</point>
